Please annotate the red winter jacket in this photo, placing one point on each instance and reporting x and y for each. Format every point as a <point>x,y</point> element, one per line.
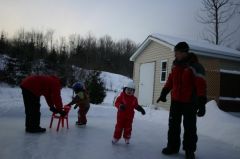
<point>186,82</point>
<point>48,86</point>
<point>129,101</point>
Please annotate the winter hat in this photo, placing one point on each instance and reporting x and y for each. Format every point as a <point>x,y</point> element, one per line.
<point>130,85</point>
<point>182,47</point>
<point>78,86</point>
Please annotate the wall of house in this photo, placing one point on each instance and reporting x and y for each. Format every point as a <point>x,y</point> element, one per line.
<point>212,67</point>
<point>154,52</point>
<point>230,65</point>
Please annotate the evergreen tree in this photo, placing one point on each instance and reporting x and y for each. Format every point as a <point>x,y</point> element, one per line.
<point>11,70</point>
<point>96,87</point>
<point>2,43</point>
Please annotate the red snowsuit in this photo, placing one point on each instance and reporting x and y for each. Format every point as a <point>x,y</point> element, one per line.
<point>48,86</point>
<point>125,117</point>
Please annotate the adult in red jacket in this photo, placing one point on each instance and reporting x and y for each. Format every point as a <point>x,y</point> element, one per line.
<point>188,98</point>
<point>32,88</point>
<point>126,103</point>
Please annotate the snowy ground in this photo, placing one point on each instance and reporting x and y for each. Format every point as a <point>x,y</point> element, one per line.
<point>218,131</point>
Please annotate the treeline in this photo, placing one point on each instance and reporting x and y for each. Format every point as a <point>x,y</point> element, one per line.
<point>40,52</point>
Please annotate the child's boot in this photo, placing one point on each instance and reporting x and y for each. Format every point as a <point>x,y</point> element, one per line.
<point>114,141</point>
<point>127,141</point>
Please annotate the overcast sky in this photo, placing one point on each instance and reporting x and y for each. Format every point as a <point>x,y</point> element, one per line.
<point>133,19</point>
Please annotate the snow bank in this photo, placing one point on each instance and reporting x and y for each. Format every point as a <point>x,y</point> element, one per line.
<point>114,82</point>
<point>220,125</point>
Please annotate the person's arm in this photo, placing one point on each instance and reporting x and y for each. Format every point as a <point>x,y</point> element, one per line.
<point>56,95</point>
<point>140,109</point>
<point>49,101</point>
<point>201,89</point>
<point>166,89</point>
<point>119,103</point>
<point>74,100</point>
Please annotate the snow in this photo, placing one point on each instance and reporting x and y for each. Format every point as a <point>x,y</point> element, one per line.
<point>230,98</point>
<point>218,132</point>
<point>114,82</point>
<point>235,72</point>
<point>199,45</point>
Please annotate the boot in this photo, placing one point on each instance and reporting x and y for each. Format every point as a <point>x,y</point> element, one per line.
<point>127,141</point>
<point>36,130</point>
<point>80,123</point>
<point>189,155</point>
<point>114,141</point>
<point>169,151</point>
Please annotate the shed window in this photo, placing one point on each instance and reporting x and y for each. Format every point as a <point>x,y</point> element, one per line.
<point>163,73</point>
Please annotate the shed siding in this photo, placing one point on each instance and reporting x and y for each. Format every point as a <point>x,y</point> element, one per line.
<point>212,67</point>
<point>154,52</point>
<point>230,65</point>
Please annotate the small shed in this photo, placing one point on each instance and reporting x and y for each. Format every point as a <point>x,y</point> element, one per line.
<point>153,60</point>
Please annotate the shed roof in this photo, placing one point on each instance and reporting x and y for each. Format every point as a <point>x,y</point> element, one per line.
<point>199,47</point>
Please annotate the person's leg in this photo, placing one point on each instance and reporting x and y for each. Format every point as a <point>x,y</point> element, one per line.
<point>84,115</point>
<point>174,131</point>
<point>79,115</point>
<point>190,129</point>
<point>128,128</point>
<point>36,112</point>
<point>32,111</point>
<point>119,128</point>
<point>27,105</point>
<point>82,118</point>
<point>82,112</point>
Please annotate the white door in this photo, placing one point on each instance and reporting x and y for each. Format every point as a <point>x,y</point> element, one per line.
<point>146,83</point>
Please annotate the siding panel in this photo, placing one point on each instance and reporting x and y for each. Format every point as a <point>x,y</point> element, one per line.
<point>154,52</point>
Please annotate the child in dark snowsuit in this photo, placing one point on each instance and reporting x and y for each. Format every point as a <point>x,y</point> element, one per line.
<point>126,102</point>
<point>81,100</point>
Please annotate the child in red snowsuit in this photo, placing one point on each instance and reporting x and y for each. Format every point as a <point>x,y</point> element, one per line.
<point>126,102</point>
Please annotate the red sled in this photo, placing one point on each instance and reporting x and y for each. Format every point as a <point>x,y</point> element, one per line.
<point>60,118</point>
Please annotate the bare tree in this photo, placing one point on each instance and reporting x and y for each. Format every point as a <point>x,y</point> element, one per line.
<point>217,15</point>
<point>49,38</point>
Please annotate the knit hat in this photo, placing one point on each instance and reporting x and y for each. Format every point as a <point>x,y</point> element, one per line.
<point>182,47</point>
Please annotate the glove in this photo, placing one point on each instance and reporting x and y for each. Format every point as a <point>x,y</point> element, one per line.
<point>66,108</point>
<point>75,107</point>
<point>122,107</point>
<point>53,109</point>
<point>163,95</point>
<point>201,109</point>
<point>62,113</point>
<point>140,109</point>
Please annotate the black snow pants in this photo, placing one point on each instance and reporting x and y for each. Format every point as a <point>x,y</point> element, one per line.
<point>32,109</point>
<point>188,111</point>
